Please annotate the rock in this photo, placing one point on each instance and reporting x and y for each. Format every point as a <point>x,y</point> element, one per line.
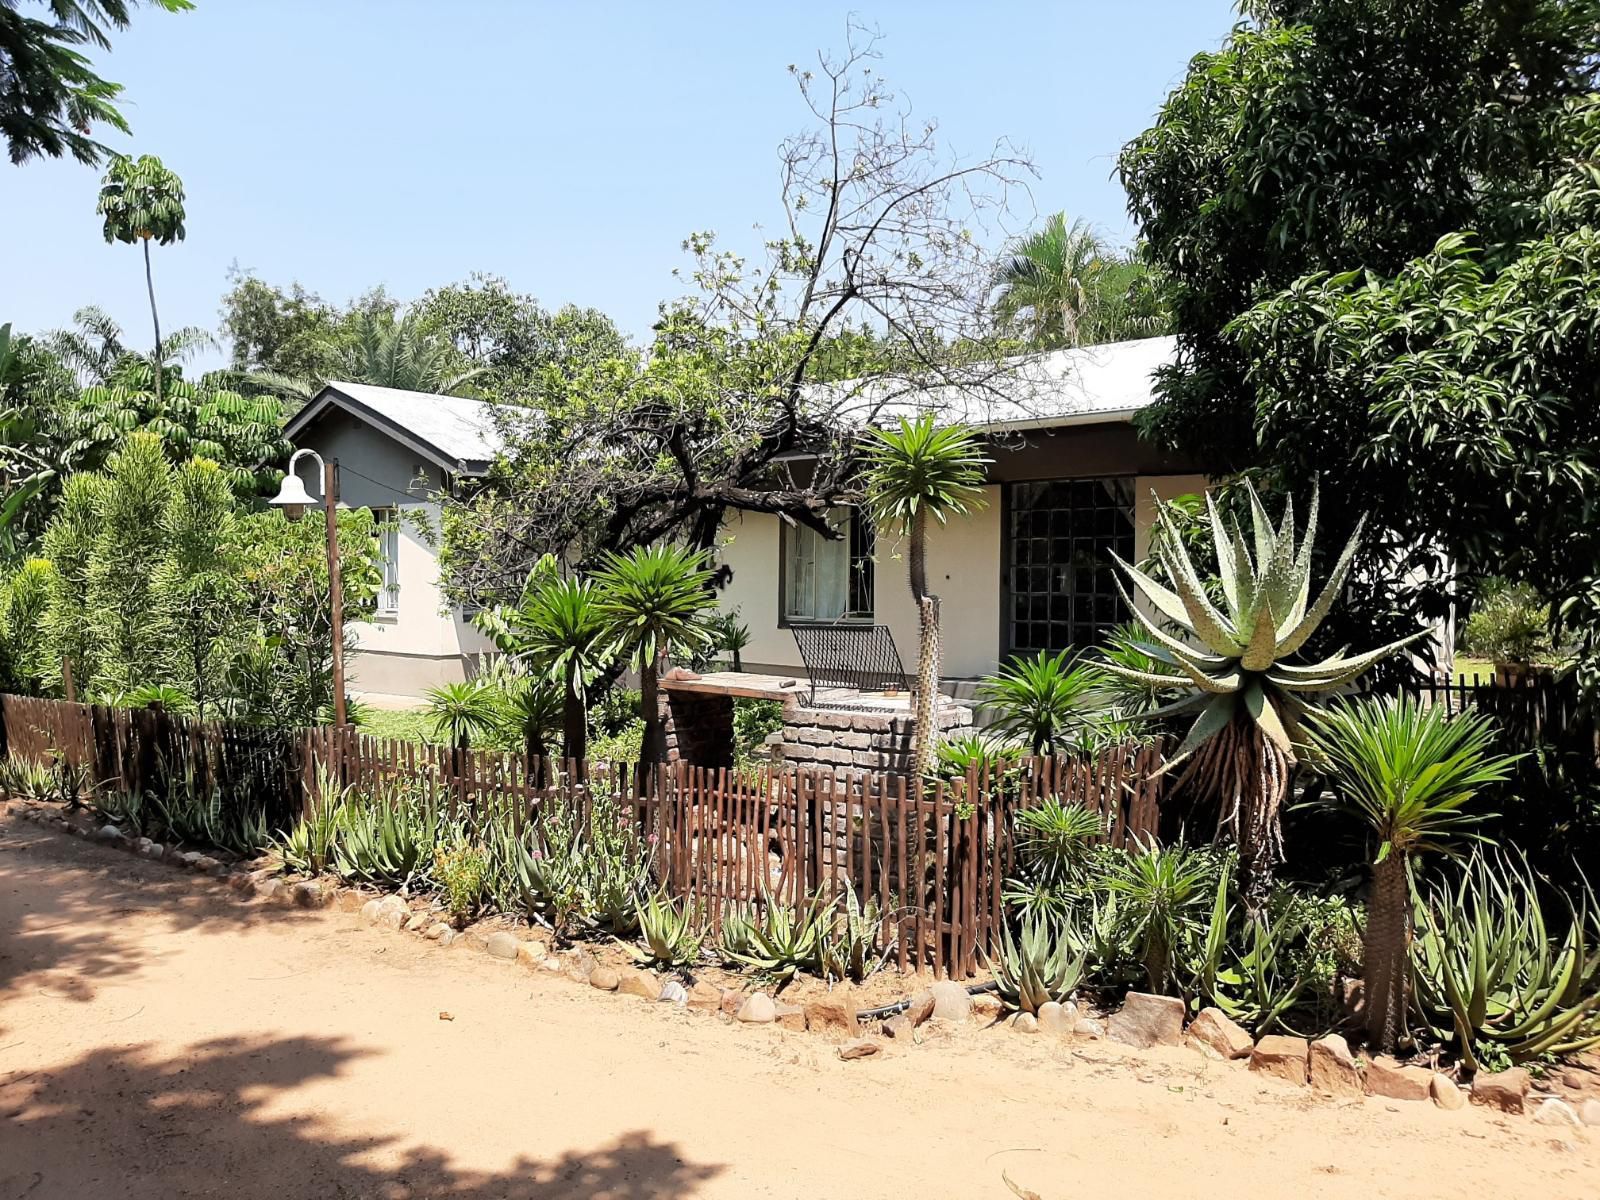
<point>241,881</point>
<point>1056,1019</point>
<point>1333,1069</point>
<point>897,1026</point>
<point>1505,1090</point>
<point>554,965</point>
<point>1589,1112</point>
<point>1217,1035</point>
<point>790,1016</point>
<point>1145,1020</point>
<point>449,937</point>
<point>732,1002</point>
<point>270,890</point>
<point>833,1013</point>
<point>1557,1112</point>
<point>1089,1027</point>
<point>672,992</point>
<point>436,931</point>
<point>1388,1078</point>
<point>393,904</point>
<point>859,1048</point>
<point>531,954</point>
<point>1445,1093</point>
<point>393,918</point>
<point>631,981</point>
<point>371,910</point>
<point>188,858</point>
<point>604,979</point>
<point>1024,1022</point>
<point>577,963</point>
<point>108,833</point>
<point>920,1008</point>
<point>149,849</point>
<point>502,944</point>
<point>705,996</point>
<point>308,894</point>
<point>950,1001</point>
<point>1282,1057</point>
<point>986,1006</point>
<point>758,1009</point>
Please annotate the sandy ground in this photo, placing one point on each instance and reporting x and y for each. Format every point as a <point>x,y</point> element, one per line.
<point>161,1038</point>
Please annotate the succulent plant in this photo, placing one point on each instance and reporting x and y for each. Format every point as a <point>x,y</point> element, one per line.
<point>785,939</point>
<point>669,933</point>
<point>852,946</point>
<point>1043,965</point>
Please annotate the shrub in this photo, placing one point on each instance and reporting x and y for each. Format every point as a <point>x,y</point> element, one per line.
<point>1510,624</point>
<point>1042,700</point>
<point>1163,894</point>
<point>462,870</point>
<point>753,722</point>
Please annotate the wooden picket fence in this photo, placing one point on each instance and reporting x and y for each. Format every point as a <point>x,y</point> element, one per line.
<point>932,858</point>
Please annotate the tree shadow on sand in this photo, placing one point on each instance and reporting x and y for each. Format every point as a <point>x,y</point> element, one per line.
<point>123,1122</point>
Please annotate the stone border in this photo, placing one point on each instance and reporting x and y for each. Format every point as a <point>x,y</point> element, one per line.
<point>1325,1066</point>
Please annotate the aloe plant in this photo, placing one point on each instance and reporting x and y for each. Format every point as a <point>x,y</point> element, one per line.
<point>669,933</point>
<point>785,940</point>
<point>1490,979</point>
<point>385,839</point>
<point>1250,976</point>
<point>1044,964</point>
<point>852,946</point>
<point>1233,663</point>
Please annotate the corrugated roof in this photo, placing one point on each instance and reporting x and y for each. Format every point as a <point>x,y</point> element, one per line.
<point>1061,386</point>
<point>460,432</point>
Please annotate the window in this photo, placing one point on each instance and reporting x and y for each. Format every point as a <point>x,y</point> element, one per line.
<point>1060,580</point>
<point>829,579</point>
<point>388,535</point>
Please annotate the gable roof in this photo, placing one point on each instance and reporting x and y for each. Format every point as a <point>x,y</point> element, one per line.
<point>1108,382</point>
<point>453,432</point>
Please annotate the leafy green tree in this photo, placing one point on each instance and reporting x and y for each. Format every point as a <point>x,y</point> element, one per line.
<point>1067,287</point>
<point>914,471</point>
<point>131,630</point>
<point>654,599</point>
<point>142,201</point>
<point>199,584</point>
<point>68,544</point>
<point>1409,772</point>
<point>50,96</point>
<point>282,334</point>
<point>24,649</point>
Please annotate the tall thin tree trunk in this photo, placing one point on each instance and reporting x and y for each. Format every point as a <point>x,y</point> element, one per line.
<point>155,317</point>
<point>925,699</point>
<point>574,725</point>
<point>1386,953</point>
<point>655,742</point>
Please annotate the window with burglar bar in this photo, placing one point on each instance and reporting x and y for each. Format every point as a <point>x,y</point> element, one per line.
<point>829,579</point>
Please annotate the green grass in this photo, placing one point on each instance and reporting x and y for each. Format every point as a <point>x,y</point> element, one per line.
<point>402,724</point>
<point>1467,668</point>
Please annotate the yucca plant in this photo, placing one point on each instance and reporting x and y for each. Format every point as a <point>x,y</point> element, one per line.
<point>784,941</point>
<point>1043,699</point>
<point>1056,840</point>
<point>122,807</point>
<point>25,779</point>
<point>463,711</point>
<point>1250,974</point>
<point>1409,772</point>
<point>1044,964</point>
<point>1162,893</point>
<point>1233,663</point>
<point>852,946</point>
<point>1490,978</point>
<point>308,846</point>
<point>670,933</point>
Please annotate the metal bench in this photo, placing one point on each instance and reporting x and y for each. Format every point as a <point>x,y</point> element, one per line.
<point>861,658</point>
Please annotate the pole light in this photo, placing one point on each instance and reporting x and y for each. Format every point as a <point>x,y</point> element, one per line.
<point>293,498</point>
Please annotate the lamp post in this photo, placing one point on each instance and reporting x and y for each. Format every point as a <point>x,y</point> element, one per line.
<point>293,498</point>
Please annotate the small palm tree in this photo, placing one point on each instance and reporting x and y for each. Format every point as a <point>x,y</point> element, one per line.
<point>1042,698</point>
<point>653,599</point>
<point>561,633</point>
<point>399,352</point>
<point>462,711</point>
<point>530,708</point>
<point>915,471</point>
<point>141,200</point>
<point>1409,772</point>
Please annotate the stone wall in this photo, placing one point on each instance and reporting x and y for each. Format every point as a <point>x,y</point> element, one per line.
<point>699,728</point>
<point>836,740</point>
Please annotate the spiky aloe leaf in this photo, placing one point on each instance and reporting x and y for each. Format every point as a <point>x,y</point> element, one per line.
<point>1261,651</point>
<point>1209,625</point>
<point>1227,565</point>
<point>1296,637</point>
<point>1162,599</point>
<point>1265,536</point>
<point>1334,675</point>
<point>1174,648</point>
<point>1264,713</point>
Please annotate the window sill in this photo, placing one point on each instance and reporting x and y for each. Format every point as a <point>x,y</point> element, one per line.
<point>803,622</point>
<point>386,618</point>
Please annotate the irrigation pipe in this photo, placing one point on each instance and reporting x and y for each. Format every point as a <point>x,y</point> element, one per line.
<point>899,1006</point>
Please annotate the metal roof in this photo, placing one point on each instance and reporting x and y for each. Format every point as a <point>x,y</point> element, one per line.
<point>453,431</point>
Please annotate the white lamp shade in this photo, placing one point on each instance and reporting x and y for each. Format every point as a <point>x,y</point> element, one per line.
<point>292,496</point>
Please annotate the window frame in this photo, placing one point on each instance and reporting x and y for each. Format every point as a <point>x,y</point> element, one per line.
<point>387,515</point>
<point>860,569</point>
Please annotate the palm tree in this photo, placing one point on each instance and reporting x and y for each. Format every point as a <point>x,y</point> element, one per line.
<point>653,599</point>
<point>1408,771</point>
<point>98,352</point>
<point>913,472</point>
<point>399,352</point>
<point>1041,698</point>
<point>462,711</point>
<point>560,631</point>
<point>141,200</point>
<point>529,709</point>
<point>1070,288</point>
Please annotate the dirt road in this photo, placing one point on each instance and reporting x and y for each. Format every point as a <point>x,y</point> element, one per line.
<point>160,1039</point>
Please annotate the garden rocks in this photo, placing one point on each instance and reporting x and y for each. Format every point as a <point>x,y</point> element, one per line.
<point>1505,1090</point>
<point>986,1006</point>
<point>604,979</point>
<point>1145,1020</point>
<point>108,833</point>
<point>1216,1035</point>
<point>1281,1057</point>
<point>1057,1020</point>
<point>1445,1093</point>
<point>1558,1113</point>
<point>897,1026</point>
<point>672,992</point>
<point>1333,1069</point>
<point>436,931</point>
<point>833,1013</point>
<point>392,912</point>
<point>950,1001</point>
<point>503,944</point>
<point>859,1048</point>
<point>1589,1112</point>
<point>790,1016</point>
<point>145,848</point>
<point>705,996</point>
<point>269,890</point>
<point>1089,1027</point>
<point>311,894</point>
<point>1024,1022</point>
<point>633,982</point>
<point>920,1008</point>
<point>369,910</point>
<point>577,963</point>
<point>758,1009</point>
<point>1391,1080</point>
<point>532,954</point>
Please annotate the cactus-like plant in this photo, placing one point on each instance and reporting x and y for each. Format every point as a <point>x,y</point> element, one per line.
<point>1233,663</point>
<point>669,933</point>
<point>853,946</point>
<point>1044,964</point>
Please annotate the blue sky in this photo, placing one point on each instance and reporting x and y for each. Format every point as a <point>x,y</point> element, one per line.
<point>569,147</point>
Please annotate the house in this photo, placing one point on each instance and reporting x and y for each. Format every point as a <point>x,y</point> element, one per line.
<point>1070,482</point>
<point>397,451</point>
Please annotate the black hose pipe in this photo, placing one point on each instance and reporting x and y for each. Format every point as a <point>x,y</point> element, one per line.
<point>899,1006</point>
